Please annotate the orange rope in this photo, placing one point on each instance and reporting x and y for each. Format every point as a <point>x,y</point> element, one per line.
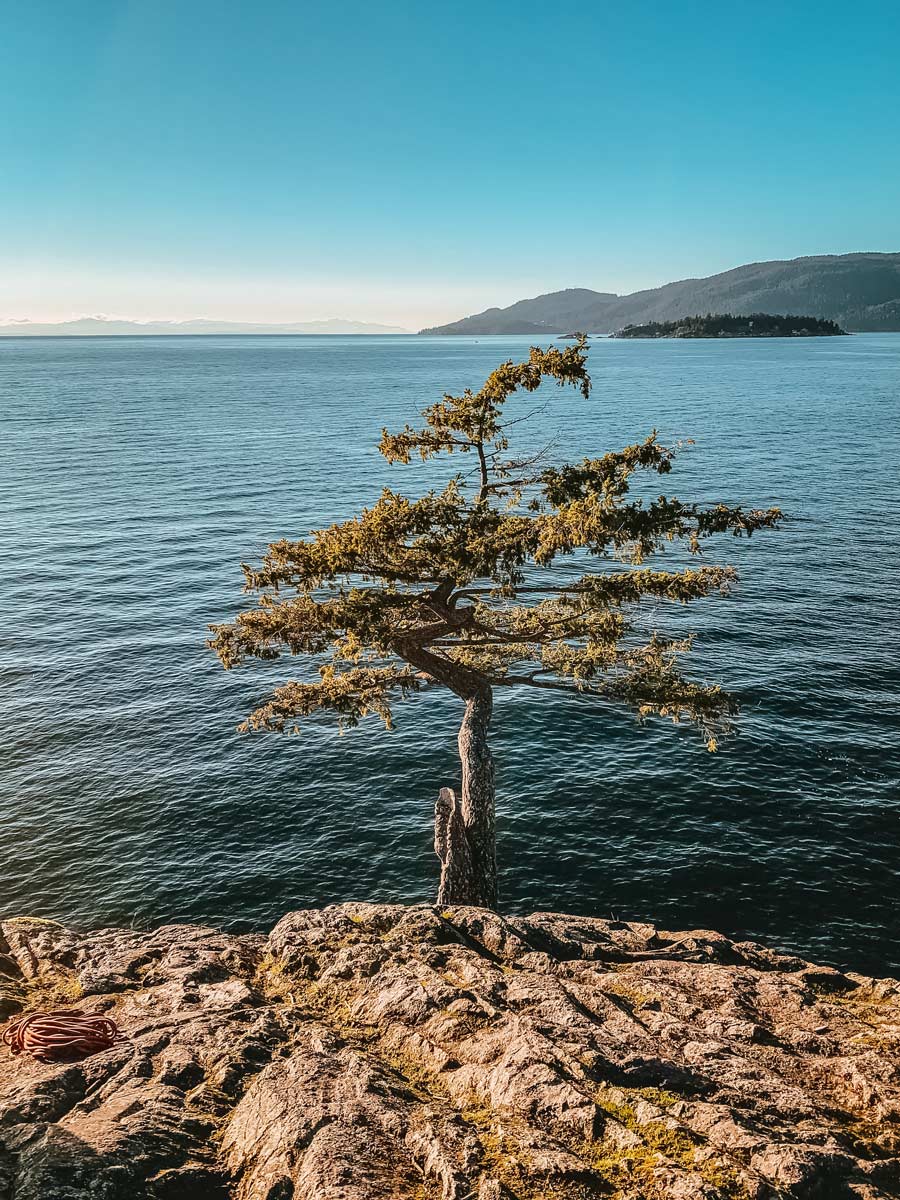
<point>60,1036</point>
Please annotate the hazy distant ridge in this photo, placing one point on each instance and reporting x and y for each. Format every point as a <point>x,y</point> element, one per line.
<point>859,291</point>
<point>107,326</point>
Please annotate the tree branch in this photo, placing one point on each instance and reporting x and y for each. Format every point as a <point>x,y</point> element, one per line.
<point>464,681</point>
<point>532,681</point>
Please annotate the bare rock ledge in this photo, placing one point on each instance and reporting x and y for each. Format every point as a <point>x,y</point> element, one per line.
<point>365,1051</point>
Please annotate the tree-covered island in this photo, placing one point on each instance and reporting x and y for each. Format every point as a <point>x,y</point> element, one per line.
<point>726,325</point>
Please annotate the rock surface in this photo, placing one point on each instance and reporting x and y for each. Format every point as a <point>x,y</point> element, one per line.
<point>365,1051</point>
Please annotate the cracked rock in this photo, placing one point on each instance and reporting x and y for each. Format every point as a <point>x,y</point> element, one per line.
<point>373,1051</point>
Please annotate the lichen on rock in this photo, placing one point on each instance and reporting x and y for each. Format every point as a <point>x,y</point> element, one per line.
<point>379,1051</point>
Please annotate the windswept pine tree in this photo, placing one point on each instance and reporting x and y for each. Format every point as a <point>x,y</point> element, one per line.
<point>472,588</point>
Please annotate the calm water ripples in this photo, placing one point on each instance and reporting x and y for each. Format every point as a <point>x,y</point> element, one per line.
<point>137,473</point>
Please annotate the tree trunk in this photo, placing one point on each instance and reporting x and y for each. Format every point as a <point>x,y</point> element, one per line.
<point>464,833</point>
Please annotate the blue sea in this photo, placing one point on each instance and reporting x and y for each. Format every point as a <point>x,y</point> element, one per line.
<point>137,473</point>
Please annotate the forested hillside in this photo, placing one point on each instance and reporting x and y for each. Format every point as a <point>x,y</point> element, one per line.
<point>858,291</point>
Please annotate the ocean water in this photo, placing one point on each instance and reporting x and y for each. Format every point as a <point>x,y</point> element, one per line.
<point>136,474</point>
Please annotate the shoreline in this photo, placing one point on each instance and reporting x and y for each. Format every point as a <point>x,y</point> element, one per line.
<point>419,1053</point>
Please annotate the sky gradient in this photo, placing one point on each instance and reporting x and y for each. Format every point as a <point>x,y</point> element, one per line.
<point>410,163</point>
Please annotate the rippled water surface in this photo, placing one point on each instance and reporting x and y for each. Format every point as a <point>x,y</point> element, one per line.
<point>137,473</point>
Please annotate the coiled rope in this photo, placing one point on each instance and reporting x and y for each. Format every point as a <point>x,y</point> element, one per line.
<point>62,1036</point>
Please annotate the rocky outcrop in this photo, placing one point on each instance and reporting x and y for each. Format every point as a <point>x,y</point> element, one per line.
<point>366,1051</point>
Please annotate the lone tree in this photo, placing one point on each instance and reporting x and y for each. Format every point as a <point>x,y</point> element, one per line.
<point>464,588</point>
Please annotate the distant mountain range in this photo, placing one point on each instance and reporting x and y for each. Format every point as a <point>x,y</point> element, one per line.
<point>111,327</point>
<point>859,291</point>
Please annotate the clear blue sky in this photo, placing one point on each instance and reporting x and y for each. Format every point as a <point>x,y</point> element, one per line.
<point>410,162</point>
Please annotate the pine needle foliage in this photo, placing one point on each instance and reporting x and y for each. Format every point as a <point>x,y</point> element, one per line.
<point>473,586</point>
